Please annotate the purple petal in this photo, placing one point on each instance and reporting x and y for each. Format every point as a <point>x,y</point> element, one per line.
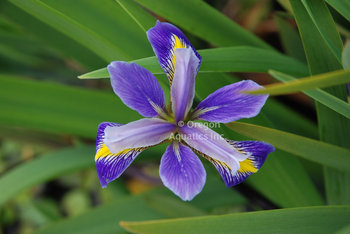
<point>182,171</point>
<point>137,88</point>
<point>110,166</point>
<point>165,39</point>
<point>229,104</point>
<point>257,152</point>
<point>101,133</point>
<point>182,90</point>
<point>137,134</point>
<point>212,144</point>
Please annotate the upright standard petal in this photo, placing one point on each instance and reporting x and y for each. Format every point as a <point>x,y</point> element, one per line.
<point>212,144</point>
<point>229,103</point>
<point>182,171</point>
<point>183,88</point>
<point>138,134</point>
<point>137,88</point>
<point>110,166</point>
<point>165,39</point>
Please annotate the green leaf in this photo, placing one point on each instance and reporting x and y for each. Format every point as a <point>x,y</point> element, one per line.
<point>342,6</point>
<point>47,35</point>
<point>312,82</point>
<point>44,168</point>
<point>343,230</point>
<point>103,27</point>
<point>202,20</point>
<point>323,21</point>
<point>346,55</point>
<point>319,95</point>
<point>233,59</point>
<point>333,127</point>
<point>290,38</point>
<point>57,108</point>
<point>104,219</point>
<point>141,17</point>
<point>70,27</point>
<point>316,151</point>
<point>306,220</point>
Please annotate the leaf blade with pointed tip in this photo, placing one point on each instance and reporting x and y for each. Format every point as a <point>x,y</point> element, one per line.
<point>312,82</point>
<point>319,95</point>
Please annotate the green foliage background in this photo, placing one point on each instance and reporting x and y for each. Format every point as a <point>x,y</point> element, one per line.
<point>49,118</point>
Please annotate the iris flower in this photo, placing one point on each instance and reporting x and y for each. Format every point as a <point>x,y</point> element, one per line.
<point>117,145</point>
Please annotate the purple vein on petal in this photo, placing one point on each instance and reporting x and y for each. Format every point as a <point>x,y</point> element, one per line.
<point>137,88</point>
<point>183,88</point>
<point>182,171</point>
<point>165,39</point>
<point>229,103</point>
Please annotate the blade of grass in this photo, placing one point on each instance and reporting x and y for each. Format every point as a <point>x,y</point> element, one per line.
<point>46,35</point>
<point>308,220</point>
<point>76,31</point>
<point>290,38</point>
<point>141,17</point>
<point>57,108</point>
<point>233,59</point>
<point>296,85</point>
<point>202,20</point>
<point>323,21</point>
<point>342,6</point>
<point>319,95</point>
<point>104,219</point>
<point>346,55</point>
<point>333,127</point>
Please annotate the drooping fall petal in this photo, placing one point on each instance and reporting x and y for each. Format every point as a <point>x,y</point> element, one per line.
<point>138,134</point>
<point>182,171</point>
<point>110,166</point>
<point>229,103</point>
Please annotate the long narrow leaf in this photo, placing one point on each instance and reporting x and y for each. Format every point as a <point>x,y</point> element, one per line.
<point>333,127</point>
<point>323,21</point>
<point>59,108</point>
<point>233,59</point>
<point>319,95</point>
<point>204,21</point>
<point>342,6</point>
<point>69,27</point>
<point>290,38</point>
<point>313,82</point>
<point>316,151</point>
<point>308,220</point>
<point>43,169</point>
<point>141,17</point>
<point>104,219</point>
